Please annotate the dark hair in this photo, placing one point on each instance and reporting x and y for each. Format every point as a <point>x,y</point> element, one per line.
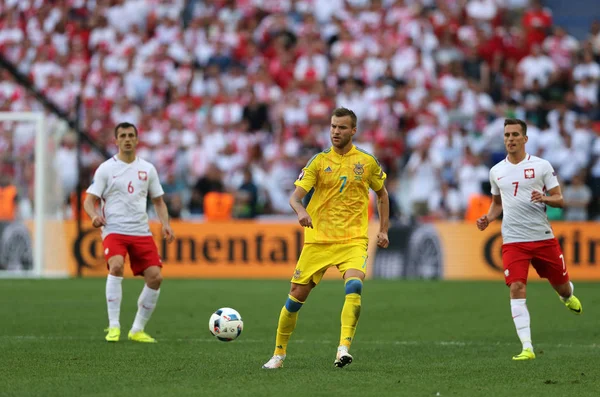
<point>342,112</point>
<point>125,125</point>
<point>517,122</point>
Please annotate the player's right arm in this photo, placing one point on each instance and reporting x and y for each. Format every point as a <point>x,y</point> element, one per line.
<point>94,193</point>
<point>493,213</point>
<point>90,205</point>
<point>495,208</point>
<point>296,203</point>
<point>305,182</point>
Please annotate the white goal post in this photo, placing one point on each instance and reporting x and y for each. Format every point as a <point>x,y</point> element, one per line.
<point>48,233</point>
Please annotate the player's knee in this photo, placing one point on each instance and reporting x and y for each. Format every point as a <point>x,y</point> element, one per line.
<point>154,281</point>
<point>518,289</point>
<point>116,266</point>
<point>117,271</point>
<point>354,286</point>
<point>300,292</point>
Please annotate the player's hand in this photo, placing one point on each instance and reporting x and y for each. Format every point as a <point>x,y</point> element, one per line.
<point>483,223</point>
<point>167,233</point>
<point>537,197</point>
<point>305,220</point>
<point>382,240</point>
<point>98,221</point>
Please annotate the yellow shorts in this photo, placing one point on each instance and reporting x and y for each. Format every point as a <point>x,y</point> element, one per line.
<point>315,259</point>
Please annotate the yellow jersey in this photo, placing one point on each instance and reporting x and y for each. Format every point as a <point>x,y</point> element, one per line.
<point>340,203</point>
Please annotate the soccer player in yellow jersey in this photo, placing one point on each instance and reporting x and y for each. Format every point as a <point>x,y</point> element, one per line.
<point>336,222</point>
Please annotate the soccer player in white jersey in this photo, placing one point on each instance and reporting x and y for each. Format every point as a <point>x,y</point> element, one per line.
<point>522,186</point>
<point>123,183</point>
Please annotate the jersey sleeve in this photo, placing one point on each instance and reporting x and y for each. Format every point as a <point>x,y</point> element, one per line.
<point>377,176</point>
<point>154,188</point>
<point>495,190</point>
<point>99,182</point>
<point>549,176</point>
<point>308,177</point>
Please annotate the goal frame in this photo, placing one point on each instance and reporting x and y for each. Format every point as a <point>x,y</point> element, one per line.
<point>40,153</point>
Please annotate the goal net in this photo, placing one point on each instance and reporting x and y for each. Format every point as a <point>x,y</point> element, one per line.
<point>32,198</point>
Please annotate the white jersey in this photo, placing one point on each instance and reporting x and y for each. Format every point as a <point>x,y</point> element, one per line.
<point>124,190</point>
<point>523,220</point>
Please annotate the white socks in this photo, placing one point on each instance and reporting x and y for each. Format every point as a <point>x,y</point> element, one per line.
<point>146,305</point>
<point>520,316</point>
<point>114,294</point>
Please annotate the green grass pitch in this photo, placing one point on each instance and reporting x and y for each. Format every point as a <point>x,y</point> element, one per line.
<point>414,338</point>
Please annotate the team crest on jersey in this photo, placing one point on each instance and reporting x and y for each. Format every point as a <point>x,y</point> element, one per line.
<point>359,168</point>
<point>297,273</point>
<point>143,175</point>
<point>529,173</point>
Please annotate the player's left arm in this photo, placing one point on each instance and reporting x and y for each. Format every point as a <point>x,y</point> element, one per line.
<point>383,208</point>
<point>157,193</point>
<point>376,183</point>
<point>163,215</point>
<point>554,197</point>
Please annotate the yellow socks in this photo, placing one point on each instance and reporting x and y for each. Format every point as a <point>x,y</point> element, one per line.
<point>350,311</point>
<point>287,322</point>
<point>350,314</point>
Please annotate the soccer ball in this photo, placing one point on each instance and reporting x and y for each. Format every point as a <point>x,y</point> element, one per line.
<point>226,324</point>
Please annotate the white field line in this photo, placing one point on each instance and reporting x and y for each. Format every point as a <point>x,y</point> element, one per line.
<point>243,340</point>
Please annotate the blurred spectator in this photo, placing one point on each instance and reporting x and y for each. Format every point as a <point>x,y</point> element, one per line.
<point>562,48</point>
<point>594,37</point>
<point>482,10</point>
<point>9,199</point>
<point>594,177</point>
<point>175,206</point>
<point>256,114</point>
<point>246,198</point>
<point>536,21</point>
<point>471,175</point>
<point>577,197</point>
<point>447,203</point>
<point>212,181</point>
<point>478,204</point>
<point>173,185</point>
<point>536,67</point>
<point>424,180</point>
<point>218,206</point>
<point>65,161</point>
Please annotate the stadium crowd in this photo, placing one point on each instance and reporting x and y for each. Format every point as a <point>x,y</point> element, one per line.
<point>236,96</point>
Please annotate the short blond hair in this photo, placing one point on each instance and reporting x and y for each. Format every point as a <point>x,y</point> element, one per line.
<point>342,112</point>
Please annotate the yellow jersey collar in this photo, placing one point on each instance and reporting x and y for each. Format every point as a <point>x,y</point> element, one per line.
<point>352,149</point>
